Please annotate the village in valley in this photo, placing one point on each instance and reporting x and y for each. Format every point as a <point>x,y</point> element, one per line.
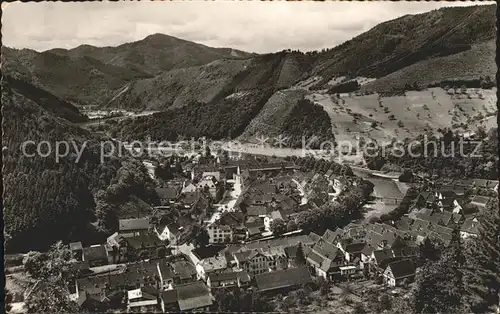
<point>263,233</point>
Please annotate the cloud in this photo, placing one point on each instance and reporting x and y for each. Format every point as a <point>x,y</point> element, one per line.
<point>251,26</point>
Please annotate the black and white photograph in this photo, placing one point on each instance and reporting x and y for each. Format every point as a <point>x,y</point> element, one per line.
<point>327,157</point>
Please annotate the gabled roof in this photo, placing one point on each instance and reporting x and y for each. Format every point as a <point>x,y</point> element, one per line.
<point>367,250</point>
<point>283,279</point>
<point>254,210</point>
<point>314,236</point>
<point>76,246</point>
<point>193,295</point>
<point>332,236</point>
<point>169,296</point>
<point>134,224</point>
<point>381,255</point>
<point>233,275</point>
<point>95,253</point>
<point>402,268</point>
<point>183,269</point>
<point>146,241</point>
<point>276,215</point>
<point>480,200</point>
<point>355,247</point>
<point>213,263</point>
<point>165,269</point>
<point>470,226</point>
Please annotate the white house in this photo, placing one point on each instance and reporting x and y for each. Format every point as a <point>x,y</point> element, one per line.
<point>170,232</point>
<point>219,233</point>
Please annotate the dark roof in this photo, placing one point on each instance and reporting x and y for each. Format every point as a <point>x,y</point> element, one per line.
<point>314,236</point>
<point>291,251</point>
<point>256,210</point>
<point>283,278</point>
<point>402,268</point>
<point>134,224</point>
<point>169,296</point>
<point>355,247</point>
<point>167,193</point>
<point>95,253</point>
<point>184,269</point>
<point>76,246</point>
<point>165,269</point>
<point>207,251</point>
<point>193,295</point>
<point>146,241</point>
<point>233,275</point>
<point>481,200</point>
<point>470,226</point>
<point>381,255</point>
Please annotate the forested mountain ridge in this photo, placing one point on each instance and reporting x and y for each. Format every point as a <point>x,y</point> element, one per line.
<point>48,199</point>
<point>162,71</point>
<point>89,75</point>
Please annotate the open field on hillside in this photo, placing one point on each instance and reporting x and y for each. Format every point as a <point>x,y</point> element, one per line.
<point>417,112</point>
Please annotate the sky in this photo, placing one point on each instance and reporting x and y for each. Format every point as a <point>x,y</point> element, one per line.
<point>252,26</point>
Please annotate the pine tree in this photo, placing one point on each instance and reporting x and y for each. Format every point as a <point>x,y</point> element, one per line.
<point>483,262</point>
<point>440,285</point>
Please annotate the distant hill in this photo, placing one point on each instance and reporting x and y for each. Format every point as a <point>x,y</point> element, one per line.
<point>213,82</point>
<point>46,100</point>
<point>165,73</point>
<point>154,54</point>
<point>398,43</point>
<point>479,61</point>
<point>89,75</point>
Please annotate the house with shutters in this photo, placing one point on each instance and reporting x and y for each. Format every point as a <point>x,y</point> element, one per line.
<point>325,259</point>
<point>396,273</point>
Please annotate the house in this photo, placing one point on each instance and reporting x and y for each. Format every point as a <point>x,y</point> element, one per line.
<point>485,184</point>
<point>255,226</point>
<point>214,264</point>
<point>215,174</point>
<point>228,279</point>
<point>470,228</point>
<point>348,270</point>
<point>398,272</point>
<point>168,301</point>
<point>167,195</point>
<point>219,233</point>
<point>166,274</point>
<point>115,240</point>
<point>424,199</point>
<point>283,280</point>
<point>480,201</point>
<point>259,261</point>
<point>325,258</point>
<point>96,255</point>
<point>188,188</point>
<point>192,297</point>
<point>210,184</point>
<point>171,232</point>
<point>143,299</point>
<point>145,246</point>
<point>76,249</point>
<point>184,272</point>
<point>353,251</point>
<point>256,211</point>
<point>133,227</point>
